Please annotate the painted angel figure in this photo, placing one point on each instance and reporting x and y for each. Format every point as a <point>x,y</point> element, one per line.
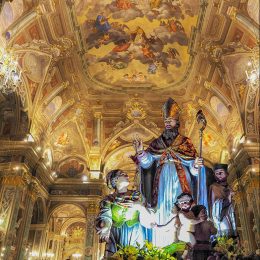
<point>122,215</point>
<point>168,167</point>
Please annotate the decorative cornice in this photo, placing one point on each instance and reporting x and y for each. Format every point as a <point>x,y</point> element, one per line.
<point>18,175</point>
<point>28,153</point>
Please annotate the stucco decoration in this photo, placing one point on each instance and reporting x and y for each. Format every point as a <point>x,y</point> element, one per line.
<point>53,106</point>
<point>237,65</point>
<point>34,66</point>
<point>253,10</point>
<point>219,108</point>
<point>120,159</point>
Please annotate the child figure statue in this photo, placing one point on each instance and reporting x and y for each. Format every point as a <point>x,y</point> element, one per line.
<point>182,226</point>
<point>221,208</point>
<point>203,232</point>
<point>121,212</point>
<point>187,219</point>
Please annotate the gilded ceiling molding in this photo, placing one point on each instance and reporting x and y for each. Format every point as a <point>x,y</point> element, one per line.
<point>245,21</point>
<point>55,116</point>
<point>105,156</point>
<point>206,106</point>
<point>120,128</point>
<point>54,208</point>
<point>80,158</point>
<point>216,53</point>
<point>213,88</point>
<point>48,9</point>
<point>20,24</point>
<point>60,112</point>
<point>56,51</point>
<point>250,117</point>
<point>55,92</point>
<point>42,48</point>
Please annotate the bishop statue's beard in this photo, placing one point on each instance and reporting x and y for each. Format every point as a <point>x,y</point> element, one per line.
<point>169,135</point>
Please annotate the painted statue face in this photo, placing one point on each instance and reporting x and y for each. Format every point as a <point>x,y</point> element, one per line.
<point>204,215</point>
<point>185,205</point>
<point>170,122</point>
<point>220,175</point>
<point>122,181</point>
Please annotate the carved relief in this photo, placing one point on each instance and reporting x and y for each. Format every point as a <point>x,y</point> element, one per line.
<point>34,66</point>
<point>250,126</point>
<point>136,111</point>
<point>251,98</point>
<point>6,204</point>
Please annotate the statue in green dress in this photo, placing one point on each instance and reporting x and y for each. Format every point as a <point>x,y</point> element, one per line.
<point>122,215</point>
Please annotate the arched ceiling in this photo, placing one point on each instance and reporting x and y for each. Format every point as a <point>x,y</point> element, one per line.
<point>120,60</point>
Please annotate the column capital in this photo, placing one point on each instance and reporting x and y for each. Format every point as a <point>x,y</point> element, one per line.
<point>232,12</point>
<point>98,114</point>
<point>17,176</point>
<point>33,190</point>
<point>92,207</point>
<point>97,109</point>
<point>244,160</point>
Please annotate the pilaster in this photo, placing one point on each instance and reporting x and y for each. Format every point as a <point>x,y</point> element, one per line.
<point>244,178</point>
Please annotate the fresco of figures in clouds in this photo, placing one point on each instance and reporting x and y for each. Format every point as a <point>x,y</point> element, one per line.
<point>134,42</point>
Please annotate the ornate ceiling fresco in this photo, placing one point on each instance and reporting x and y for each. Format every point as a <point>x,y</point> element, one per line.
<point>136,43</point>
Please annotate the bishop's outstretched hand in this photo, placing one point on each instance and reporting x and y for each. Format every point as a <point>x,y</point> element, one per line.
<point>138,144</point>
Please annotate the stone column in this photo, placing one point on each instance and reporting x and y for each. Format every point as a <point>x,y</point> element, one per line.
<point>91,244</point>
<point>97,129</point>
<point>247,234</point>
<point>252,192</point>
<point>31,197</point>
<point>94,155</point>
<point>244,170</point>
<point>38,240</point>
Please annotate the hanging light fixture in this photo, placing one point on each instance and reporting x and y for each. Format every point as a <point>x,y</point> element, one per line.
<point>10,76</point>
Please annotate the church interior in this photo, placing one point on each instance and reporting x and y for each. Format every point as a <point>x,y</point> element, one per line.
<point>80,79</point>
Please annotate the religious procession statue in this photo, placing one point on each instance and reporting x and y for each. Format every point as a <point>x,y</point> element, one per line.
<point>122,215</point>
<point>174,199</point>
<point>203,232</point>
<point>168,167</point>
<point>220,200</point>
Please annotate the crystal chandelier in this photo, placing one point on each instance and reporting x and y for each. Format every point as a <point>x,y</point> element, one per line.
<point>252,71</point>
<point>10,76</point>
